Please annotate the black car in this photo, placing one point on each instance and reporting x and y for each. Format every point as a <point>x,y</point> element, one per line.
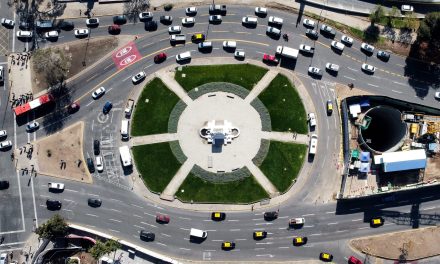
<point>4,185</point>
<point>53,204</point>
<point>66,25</point>
<point>147,236</point>
<point>119,20</point>
<point>166,19</point>
<point>94,202</point>
<point>150,25</point>
<point>270,215</point>
<point>44,25</point>
<point>90,165</point>
<point>311,33</point>
<point>24,25</point>
<point>96,147</point>
<point>383,55</point>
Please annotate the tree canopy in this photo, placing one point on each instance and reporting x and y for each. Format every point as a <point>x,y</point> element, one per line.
<point>54,227</point>
<point>429,29</point>
<point>377,14</point>
<point>101,248</point>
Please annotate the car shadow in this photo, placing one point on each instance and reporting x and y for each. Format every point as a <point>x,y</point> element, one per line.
<point>249,26</point>
<point>205,50</point>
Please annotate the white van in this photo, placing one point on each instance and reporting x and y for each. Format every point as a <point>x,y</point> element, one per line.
<point>313,144</point>
<point>249,20</point>
<point>184,56</point>
<point>197,234</point>
<point>124,128</point>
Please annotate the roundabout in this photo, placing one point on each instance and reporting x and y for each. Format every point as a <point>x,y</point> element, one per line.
<point>129,207</point>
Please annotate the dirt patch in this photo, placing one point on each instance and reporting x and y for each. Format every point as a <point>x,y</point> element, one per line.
<point>77,53</point>
<point>407,245</point>
<point>432,171</point>
<point>343,91</point>
<point>67,146</point>
<point>86,258</point>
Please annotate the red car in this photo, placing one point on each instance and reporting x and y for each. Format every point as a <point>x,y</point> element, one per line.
<point>353,260</point>
<point>270,58</point>
<point>160,57</point>
<point>114,29</point>
<point>163,219</point>
<point>73,107</point>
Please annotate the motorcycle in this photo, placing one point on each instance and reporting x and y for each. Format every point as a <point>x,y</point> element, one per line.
<point>285,37</point>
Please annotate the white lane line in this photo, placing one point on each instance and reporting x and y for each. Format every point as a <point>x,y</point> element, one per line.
<point>315,234</point>
<point>146,67</point>
<point>400,65</point>
<point>340,231</point>
<point>207,220</point>
<point>378,205</point>
<point>126,78</point>
<point>137,216</point>
<point>308,215</point>
<point>264,243</point>
<point>211,230</point>
<point>91,102</point>
<point>93,76</point>
<point>184,248</point>
<point>67,210</point>
<point>281,228</point>
<point>186,238</point>
<point>309,226</point>
<point>263,224</point>
<point>233,220</point>
<point>355,220</point>
<point>210,250</point>
<point>115,220</point>
<point>148,224</point>
<point>186,229</point>
<point>184,218</point>
<point>396,91</point>
<point>282,217</point>
<point>283,247</point>
<point>115,210</point>
<point>92,215</point>
<point>70,190</point>
<point>233,230</point>
<point>334,223</point>
<point>352,69</point>
<point>372,85</point>
<point>241,239</point>
<point>149,214</point>
<point>259,248</point>
<point>114,230</point>
<point>106,67</point>
<point>67,200</point>
<point>353,79</point>
<point>261,212</point>
<point>138,226</point>
<point>161,244</point>
<point>332,212</point>
<point>388,224</point>
<point>217,240</point>
<point>256,219</point>
<point>165,235</point>
<point>260,229</point>
<point>116,200</point>
<point>365,227</point>
<point>399,83</point>
<point>428,208</point>
<point>91,194</point>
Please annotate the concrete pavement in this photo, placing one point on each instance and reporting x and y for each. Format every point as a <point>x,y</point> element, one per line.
<point>262,179</point>
<point>167,76</point>
<point>179,177</point>
<point>152,139</point>
<point>261,85</point>
<point>286,137</point>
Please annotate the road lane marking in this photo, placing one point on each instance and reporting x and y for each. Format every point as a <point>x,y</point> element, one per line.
<point>211,230</point>
<point>45,196</point>
<point>67,210</point>
<point>115,220</point>
<point>233,220</point>
<point>165,235</point>
<point>399,83</point>
<point>396,91</point>
<point>217,240</point>
<point>308,215</point>
<point>126,78</point>
<point>352,69</point>
<point>264,243</point>
<point>138,226</point>
<point>115,210</point>
<point>184,218</point>
<point>282,217</point>
<point>106,67</point>
<point>186,229</point>
<point>161,244</point>
<point>334,223</point>
<point>114,230</point>
<point>309,226</point>
<point>263,224</point>
<point>67,200</point>
<point>340,231</point>
<point>137,216</point>
<point>365,227</point>
<point>355,220</point>
<point>92,215</point>
<point>91,194</point>
<point>315,234</point>
<point>372,85</point>
<point>353,79</point>
<point>428,208</point>
<point>233,230</point>
<point>93,76</point>
<point>116,200</point>
<point>207,220</point>
<point>259,248</point>
<point>184,248</point>
<point>256,219</point>
<point>241,239</point>
<point>148,224</point>
<point>283,247</point>
<point>332,212</point>
<point>69,190</point>
<point>149,214</point>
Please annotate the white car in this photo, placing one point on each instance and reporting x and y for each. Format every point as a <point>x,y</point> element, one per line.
<point>55,186</point>
<point>2,74</point>
<point>308,22</point>
<point>3,133</point>
<point>99,164</point>
<point>315,71</point>
<point>138,77</point>
<point>306,48</point>
<point>145,15</point>
<point>184,56</point>
<point>5,144</point>
<point>312,119</point>
<point>24,34</point>
<point>368,68</point>
<point>260,10</point>
<point>81,32</point>
<point>188,21</point>
<point>276,20</point>
<point>32,126</point>
<point>437,95</point>
<point>92,22</point>
<point>407,8</point>
<point>239,54</point>
<point>229,44</point>
<point>249,20</point>
<point>191,11</point>
<point>7,22</point>
<point>332,67</point>
<point>338,45</point>
<point>98,93</point>
<point>51,34</point>
<point>174,29</point>
<point>367,47</point>
<point>347,40</point>
<point>273,31</point>
<point>215,18</point>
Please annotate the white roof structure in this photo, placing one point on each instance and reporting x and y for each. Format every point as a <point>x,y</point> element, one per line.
<point>402,160</point>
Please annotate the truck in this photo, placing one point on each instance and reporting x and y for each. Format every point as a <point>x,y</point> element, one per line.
<point>124,151</point>
<point>178,38</point>
<point>306,49</point>
<point>55,186</point>
<point>129,107</point>
<point>287,52</point>
<point>296,221</point>
<point>197,234</point>
<point>332,67</point>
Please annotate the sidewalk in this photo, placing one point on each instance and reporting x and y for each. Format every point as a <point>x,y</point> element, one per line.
<point>152,139</point>
<point>261,85</point>
<point>179,177</point>
<point>168,78</point>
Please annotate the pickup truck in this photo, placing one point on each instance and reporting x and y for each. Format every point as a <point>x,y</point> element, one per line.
<point>306,49</point>
<point>178,38</point>
<point>129,107</point>
<point>55,186</point>
<point>332,67</point>
<point>217,9</point>
<point>296,221</point>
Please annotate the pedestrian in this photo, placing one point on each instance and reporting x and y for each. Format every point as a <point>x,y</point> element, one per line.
<point>2,239</point>
<point>252,208</point>
<point>80,12</point>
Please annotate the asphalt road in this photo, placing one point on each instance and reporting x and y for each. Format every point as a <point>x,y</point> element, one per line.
<point>123,214</point>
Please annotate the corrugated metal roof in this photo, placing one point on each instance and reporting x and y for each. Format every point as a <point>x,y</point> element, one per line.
<point>417,154</point>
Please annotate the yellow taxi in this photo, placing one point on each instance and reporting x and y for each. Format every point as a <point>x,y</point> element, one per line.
<point>260,235</point>
<point>329,107</point>
<point>218,216</point>
<point>325,256</point>
<point>377,221</point>
<point>299,241</point>
<point>198,37</point>
<point>228,245</point>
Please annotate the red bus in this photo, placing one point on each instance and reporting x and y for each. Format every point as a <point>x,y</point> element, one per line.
<point>32,105</point>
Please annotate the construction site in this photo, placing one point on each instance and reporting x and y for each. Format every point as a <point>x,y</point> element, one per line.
<point>389,145</point>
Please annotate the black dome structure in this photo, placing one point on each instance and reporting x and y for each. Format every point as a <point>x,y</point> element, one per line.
<point>386,130</point>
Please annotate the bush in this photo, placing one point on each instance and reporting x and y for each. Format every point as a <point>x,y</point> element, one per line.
<point>168,7</point>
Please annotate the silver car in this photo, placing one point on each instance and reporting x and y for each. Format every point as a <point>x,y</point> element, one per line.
<point>308,22</point>
<point>24,34</point>
<point>138,77</point>
<point>273,31</point>
<point>7,22</point>
<point>239,54</point>
<point>81,32</point>
<point>368,68</point>
<point>367,47</point>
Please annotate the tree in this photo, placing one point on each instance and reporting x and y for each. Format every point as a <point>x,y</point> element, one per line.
<point>394,12</point>
<point>377,14</point>
<point>54,227</point>
<point>52,63</point>
<point>429,31</point>
<point>100,248</point>
<point>411,21</point>
<point>132,8</point>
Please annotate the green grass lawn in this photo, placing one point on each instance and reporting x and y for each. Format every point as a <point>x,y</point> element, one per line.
<point>245,75</point>
<point>285,106</point>
<point>157,165</point>
<point>199,190</point>
<point>282,163</point>
<point>153,109</point>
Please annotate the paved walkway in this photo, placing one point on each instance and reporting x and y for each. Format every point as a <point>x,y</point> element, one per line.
<point>261,85</point>
<point>286,137</point>
<point>173,186</point>
<point>152,139</point>
<point>262,179</point>
<point>168,78</point>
